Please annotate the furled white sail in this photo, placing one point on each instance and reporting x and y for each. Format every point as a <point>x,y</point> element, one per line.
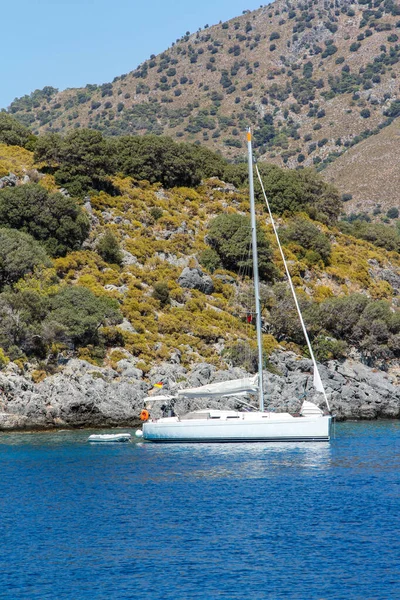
<point>232,387</point>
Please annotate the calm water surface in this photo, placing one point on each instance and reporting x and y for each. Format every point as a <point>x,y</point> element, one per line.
<point>252,521</point>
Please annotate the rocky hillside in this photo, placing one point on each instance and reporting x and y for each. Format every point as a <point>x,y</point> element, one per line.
<point>157,270</point>
<point>111,283</point>
<point>313,78</point>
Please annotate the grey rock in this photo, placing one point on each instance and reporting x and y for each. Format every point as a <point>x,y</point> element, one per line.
<point>126,326</point>
<point>195,279</point>
<point>391,275</point>
<point>123,289</point>
<point>172,259</point>
<point>107,216</point>
<point>127,369</point>
<point>133,373</point>
<point>225,278</point>
<point>64,192</point>
<point>9,180</point>
<point>168,374</point>
<point>129,259</point>
<point>176,304</point>
<point>225,187</point>
<point>175,357</point>
<point>161,194</point>
<point>201,375</point>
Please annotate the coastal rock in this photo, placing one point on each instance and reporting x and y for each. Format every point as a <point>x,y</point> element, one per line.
<point>128,370</point>
<point>86,395</point>
<point>168,374</point>
<point>354,390</point>
<point>195,279</point>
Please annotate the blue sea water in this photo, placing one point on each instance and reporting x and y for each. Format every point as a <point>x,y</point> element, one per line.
<point>247,521</point>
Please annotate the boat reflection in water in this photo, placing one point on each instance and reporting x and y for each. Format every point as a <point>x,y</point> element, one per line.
<point>239,461</point>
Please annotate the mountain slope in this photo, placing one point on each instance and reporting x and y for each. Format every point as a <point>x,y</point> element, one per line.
<point>370,171</point>
<point>312,78</point>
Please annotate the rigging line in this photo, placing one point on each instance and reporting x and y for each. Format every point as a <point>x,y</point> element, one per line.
<point>317,377</point>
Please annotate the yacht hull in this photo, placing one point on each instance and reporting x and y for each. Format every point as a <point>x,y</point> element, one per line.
<point>263,429</point>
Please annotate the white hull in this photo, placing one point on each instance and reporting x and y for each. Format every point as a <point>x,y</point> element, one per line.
<point>239,427</point>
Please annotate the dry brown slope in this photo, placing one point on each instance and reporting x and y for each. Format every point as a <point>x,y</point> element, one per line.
<point>370,171</point>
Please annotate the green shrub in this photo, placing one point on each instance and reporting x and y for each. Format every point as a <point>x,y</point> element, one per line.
<point>56,221</point>
<point>393,213</point>
<point>210,260</point>
<point>274,36</point>
<point>13,133</point>
<point>393,110</point>
<point>24,334</point>
<point>383,236</point>
<point>81,161</point>
<point>230,237</point>
<point>156,212</point>
<point>19,254</point>
<point>109,249</point>
<point>291,190</point>
<point>307,235</point>
<point>326,348</point>
<point>76,315</point>
<point>241,354</point>
<point>161,293</point>
<point>160,159</point>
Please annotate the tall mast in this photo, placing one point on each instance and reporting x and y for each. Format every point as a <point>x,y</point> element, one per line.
<point>255,272</point>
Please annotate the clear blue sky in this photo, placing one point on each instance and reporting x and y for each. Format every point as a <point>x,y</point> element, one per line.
<point>69,43</point>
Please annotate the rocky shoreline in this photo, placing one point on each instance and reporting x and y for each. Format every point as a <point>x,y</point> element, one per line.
<point>83,395</point>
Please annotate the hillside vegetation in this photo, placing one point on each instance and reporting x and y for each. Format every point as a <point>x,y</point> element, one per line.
<point>114,262</point>
<point>313,79</point>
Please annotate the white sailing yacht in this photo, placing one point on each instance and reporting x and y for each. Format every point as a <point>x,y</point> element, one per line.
<point>212,425</point>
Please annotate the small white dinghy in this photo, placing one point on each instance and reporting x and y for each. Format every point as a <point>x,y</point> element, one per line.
<point>110,437</point>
